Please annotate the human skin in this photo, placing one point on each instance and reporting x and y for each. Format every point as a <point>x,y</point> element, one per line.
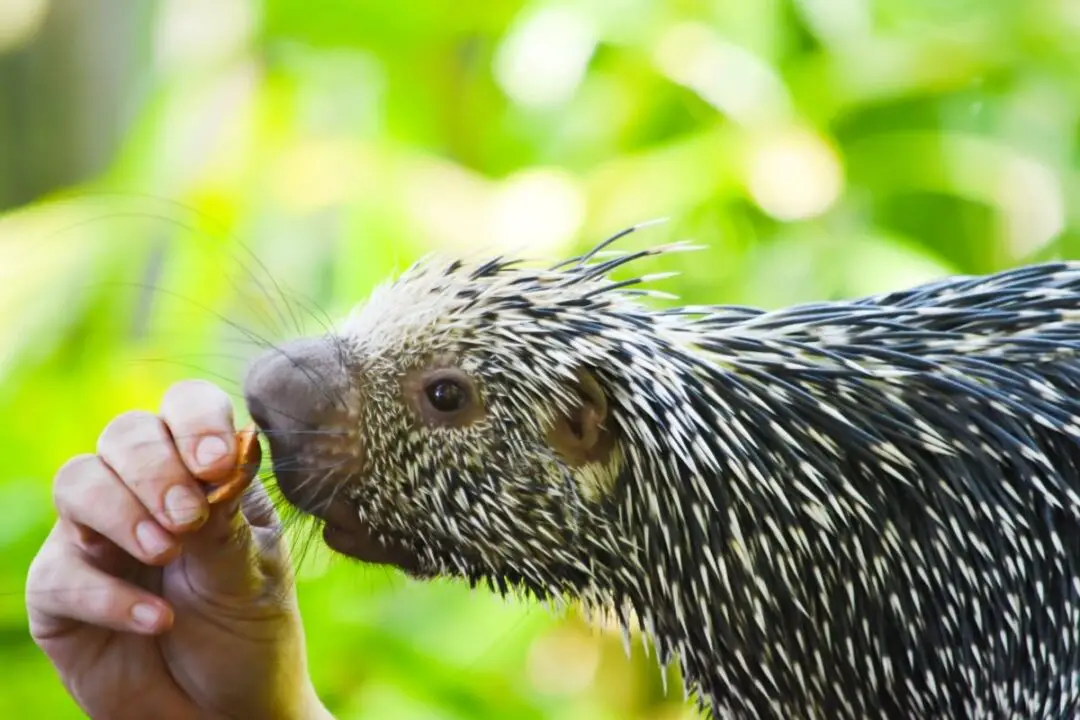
<point>146,613</point>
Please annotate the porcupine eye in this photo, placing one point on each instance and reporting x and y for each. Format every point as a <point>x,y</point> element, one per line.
<point>446,395</point>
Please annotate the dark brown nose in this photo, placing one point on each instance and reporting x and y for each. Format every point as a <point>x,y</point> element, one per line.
<point>295,394</point>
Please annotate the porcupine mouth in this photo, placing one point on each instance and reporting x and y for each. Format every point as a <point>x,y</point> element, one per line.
<point>360,543</point>
<point>343,530</point>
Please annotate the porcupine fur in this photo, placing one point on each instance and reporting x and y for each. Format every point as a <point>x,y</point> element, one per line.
<point>858,508</point>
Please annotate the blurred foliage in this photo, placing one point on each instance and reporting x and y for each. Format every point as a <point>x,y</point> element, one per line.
<point>288,155</point>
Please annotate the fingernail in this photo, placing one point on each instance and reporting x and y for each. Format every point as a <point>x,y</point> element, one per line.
<point>209,450</point>
<point>182,506</point>
<point>152,538</point>
<point>145,615</point>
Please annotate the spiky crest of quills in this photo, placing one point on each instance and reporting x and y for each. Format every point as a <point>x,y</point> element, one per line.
<point>862,508</point>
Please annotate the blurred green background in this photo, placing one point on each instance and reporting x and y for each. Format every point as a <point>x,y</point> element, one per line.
<point>179,176</point>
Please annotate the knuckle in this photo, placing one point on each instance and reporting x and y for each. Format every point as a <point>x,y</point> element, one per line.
<point>56,583</point>
<point>42,575</point>
<point>71,476</point>
<point>37,631</point>
<point>128,428</point>
<point>74,468</point>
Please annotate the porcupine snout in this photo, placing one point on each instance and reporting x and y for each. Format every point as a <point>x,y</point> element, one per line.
<point>296,395</point>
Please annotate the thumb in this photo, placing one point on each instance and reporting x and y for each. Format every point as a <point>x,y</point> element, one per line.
<point>237,552</point>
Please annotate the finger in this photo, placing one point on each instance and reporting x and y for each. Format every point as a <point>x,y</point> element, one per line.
<point>137,447</point>
<point>257,507</point>
<point>62,587</point>
<point>220,558</point>
<point>268,532</point>
<point>199,416</point>
<point>238,552</point>
<point>89,495</point>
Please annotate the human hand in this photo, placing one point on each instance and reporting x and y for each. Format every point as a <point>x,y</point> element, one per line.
<point>149,602</point>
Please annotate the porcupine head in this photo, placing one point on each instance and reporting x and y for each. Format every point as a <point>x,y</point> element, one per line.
<point>482,421</point>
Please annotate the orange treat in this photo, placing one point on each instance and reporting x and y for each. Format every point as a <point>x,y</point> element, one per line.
<point>247,466</point>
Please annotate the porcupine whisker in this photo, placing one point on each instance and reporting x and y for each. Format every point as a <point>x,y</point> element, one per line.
<point>313,516</point>
<point>193,230</point>
<point>307,304</point>
<point>313,480</point>
<point>235,394</point>
<point>259,284</point>
<point>332,467</point>
<point>325,505</point>
<point>342,362</point>
<point>256,339</point>
<point>303,534</point>
<point>299,420</point>
<point>304,421</point>
<point>337,403</point>
<point>266,316</point>
<point>227,380</point>
<point>274,282</point>
<point>221,379</point>
<point>331,334</point>
<point>334,494</point>
<point>219,356</point>
<point>256,280</point>
<point>242,342</point>
<point>321,317</point>
<point>319,432</point>
<point>291,518</point>
<point>292,463</point>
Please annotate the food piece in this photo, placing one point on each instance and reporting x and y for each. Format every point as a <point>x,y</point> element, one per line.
<point>247,467</point>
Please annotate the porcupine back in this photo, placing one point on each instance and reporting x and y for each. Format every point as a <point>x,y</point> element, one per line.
<point>900,490</point>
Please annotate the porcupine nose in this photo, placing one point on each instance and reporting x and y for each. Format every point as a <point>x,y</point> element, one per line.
<point>292,391</point>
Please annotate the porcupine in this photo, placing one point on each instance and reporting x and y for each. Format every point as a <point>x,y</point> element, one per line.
<point>853,508</point>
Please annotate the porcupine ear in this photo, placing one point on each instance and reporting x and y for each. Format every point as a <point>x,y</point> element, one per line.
<point>580,435</point>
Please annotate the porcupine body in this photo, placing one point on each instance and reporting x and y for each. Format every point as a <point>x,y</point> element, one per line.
<point>865,508</point>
